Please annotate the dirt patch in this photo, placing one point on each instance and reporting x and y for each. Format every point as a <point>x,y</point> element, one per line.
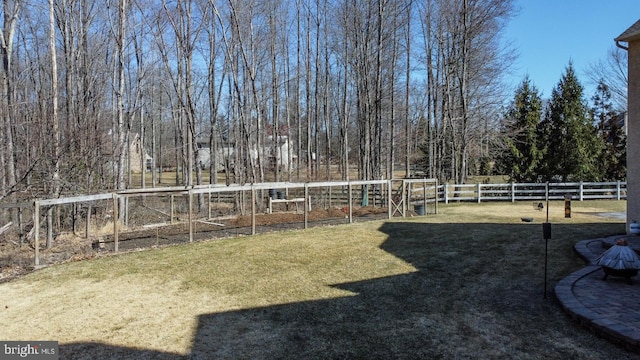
<point>289,217</point>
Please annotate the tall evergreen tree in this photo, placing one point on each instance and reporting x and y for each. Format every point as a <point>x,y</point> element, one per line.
<point>567,134</point>
<point>521,156</point>
<point>613,158</point>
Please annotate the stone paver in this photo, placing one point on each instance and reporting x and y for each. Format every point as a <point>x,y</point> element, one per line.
<point>611,308</point>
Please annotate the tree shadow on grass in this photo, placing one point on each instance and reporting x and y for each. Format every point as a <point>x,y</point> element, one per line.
<point>472,296</point>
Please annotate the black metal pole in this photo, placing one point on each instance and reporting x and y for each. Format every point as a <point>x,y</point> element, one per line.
<point>546,232</point>
<point>546,242</point>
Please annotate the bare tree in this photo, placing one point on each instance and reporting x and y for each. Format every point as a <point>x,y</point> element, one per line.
<point>327,84</point>
<point>215,91</point>
<point>311,156</point>
<point>121,127</point>
<point>138,39</point>
<point>613,72</point>
<point>10,12</point>
<point>298,97</point>
<point>55,127</point>
<point>82,86</point>
<point>407,92</point>
<point>464,62</point>
<point>341,80</point>
<point>344,106</point>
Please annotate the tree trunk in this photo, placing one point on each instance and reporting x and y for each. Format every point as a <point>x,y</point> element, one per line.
<point>9,181</point>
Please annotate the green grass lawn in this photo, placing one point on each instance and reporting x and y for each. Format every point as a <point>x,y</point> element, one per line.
<point>466,283</point>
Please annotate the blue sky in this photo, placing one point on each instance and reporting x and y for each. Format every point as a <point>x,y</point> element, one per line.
<point>548,34</point>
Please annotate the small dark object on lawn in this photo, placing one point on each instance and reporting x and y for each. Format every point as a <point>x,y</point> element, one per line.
<point>540,206</point>
<point>527,219</point>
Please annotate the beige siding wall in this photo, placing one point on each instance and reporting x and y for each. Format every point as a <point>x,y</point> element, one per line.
<point>633,139</point>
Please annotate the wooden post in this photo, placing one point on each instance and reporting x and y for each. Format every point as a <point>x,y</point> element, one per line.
<point>350,199</point>
<point>190,215</point>
<point>307,200</point>
<point>618,190</point>
<point>172,209</point>
<point>581,191</point>
<point>36,226</point>
<point>115,222</point>
<point>390,200</point>
<point>446,193</point>
<point>409,194</point>
<point>546,193</point>
<point>88,223</point>
<point>253,210</point>
<point>424,196</point>
<point>74,218</point>
<point>125,212</point>
<point>21,225</point>
<point>404,199</point>
<point>50,227</point>
<point>436,187</point>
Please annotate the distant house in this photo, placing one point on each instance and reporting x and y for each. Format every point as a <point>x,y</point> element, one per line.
<point>135,158</point>
<point>275,154</point>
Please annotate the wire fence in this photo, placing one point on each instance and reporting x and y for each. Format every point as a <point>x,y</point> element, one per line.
<point>157,216</point>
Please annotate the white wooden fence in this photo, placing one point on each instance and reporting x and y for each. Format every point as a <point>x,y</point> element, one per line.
<point>616,190</point>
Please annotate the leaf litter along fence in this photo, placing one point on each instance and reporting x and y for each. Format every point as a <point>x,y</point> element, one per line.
<point>188,211</point>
